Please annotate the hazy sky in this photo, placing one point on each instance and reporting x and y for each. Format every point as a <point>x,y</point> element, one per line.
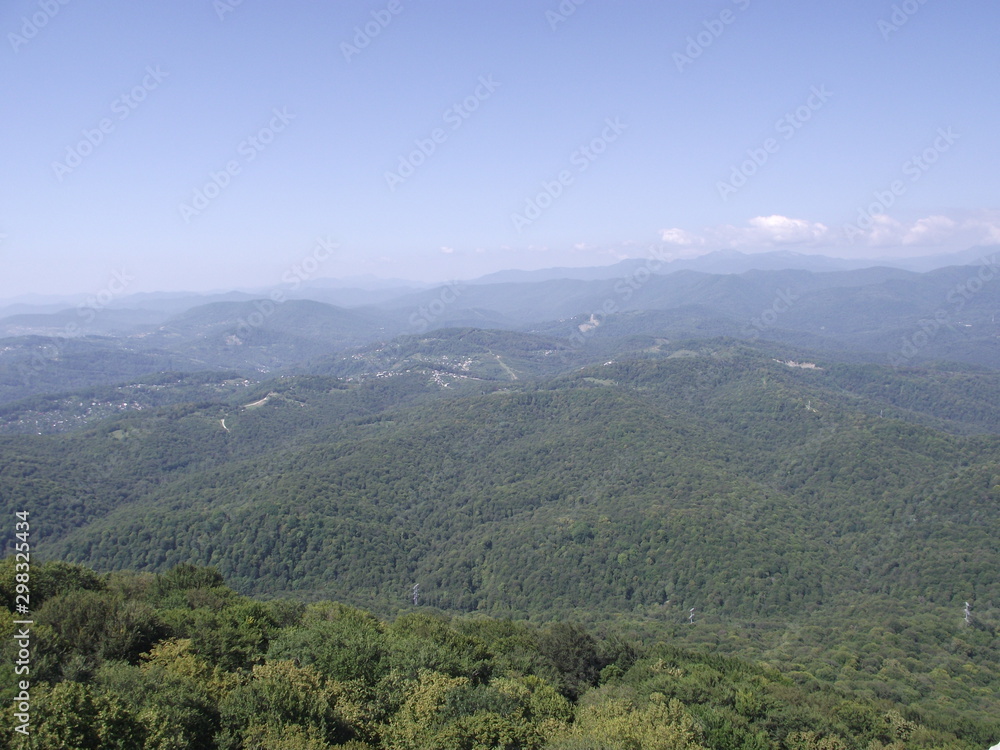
<point>209,144</point>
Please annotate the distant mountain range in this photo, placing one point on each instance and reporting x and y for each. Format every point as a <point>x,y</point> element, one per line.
<point>734,261</point>
<point>880,314</point>
<point>886,315</point>
<point>368,289</point>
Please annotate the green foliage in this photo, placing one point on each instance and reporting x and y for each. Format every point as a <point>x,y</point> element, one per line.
<point>90,622</point>
<point>71,715</point>
<point>422,642</point>
<point>573,653</point>
<point>186,576</point>
<point>234,638</point>
<point>173,711</point>
<point>46,580</point>
<point>608,491</point>
<point>619,724</point>
<point>347,648</point>
<point>829,521</point>
<point>248,674</point>
<point>282,696</point>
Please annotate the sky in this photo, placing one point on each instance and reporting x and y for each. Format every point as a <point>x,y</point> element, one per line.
<point>218,144</point>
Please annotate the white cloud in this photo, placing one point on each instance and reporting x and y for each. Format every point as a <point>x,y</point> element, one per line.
<point>760,231</point>
<point>985,227</point>
<point>933,230</point>
<point>885,231</point>
<point>936,232</point>
<point>781,230</point>
<point>769,231</point>
<point>680,237</point>
<point>447,250</point>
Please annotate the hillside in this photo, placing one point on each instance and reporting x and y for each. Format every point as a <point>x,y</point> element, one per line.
<point>881,315</point>
<point>843,497</point>
<point>634,473</point>
<point>180,660</point>
<point>37,365</point>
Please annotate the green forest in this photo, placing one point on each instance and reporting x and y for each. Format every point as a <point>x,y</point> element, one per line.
<point>179,660</point>
<point>719,543</point>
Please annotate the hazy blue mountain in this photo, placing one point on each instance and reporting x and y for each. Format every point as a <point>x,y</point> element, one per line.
<point>882,314</point>
<point>735,261</point>
<point>83,320</point>
<point>350,296</point>
<point>252,337</point>
<point>873,311</point>
<point>32,365</point>
<point>973,256</point>
<point>365,282</point>
<point>263,334</point>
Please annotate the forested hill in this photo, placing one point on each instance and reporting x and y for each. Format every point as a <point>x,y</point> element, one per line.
<point>884,315</point>
<point>612,488</point>
<point>179,660</point>
<point>799,506</point>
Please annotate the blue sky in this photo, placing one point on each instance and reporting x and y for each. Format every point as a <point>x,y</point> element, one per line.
<point>440,140</point>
